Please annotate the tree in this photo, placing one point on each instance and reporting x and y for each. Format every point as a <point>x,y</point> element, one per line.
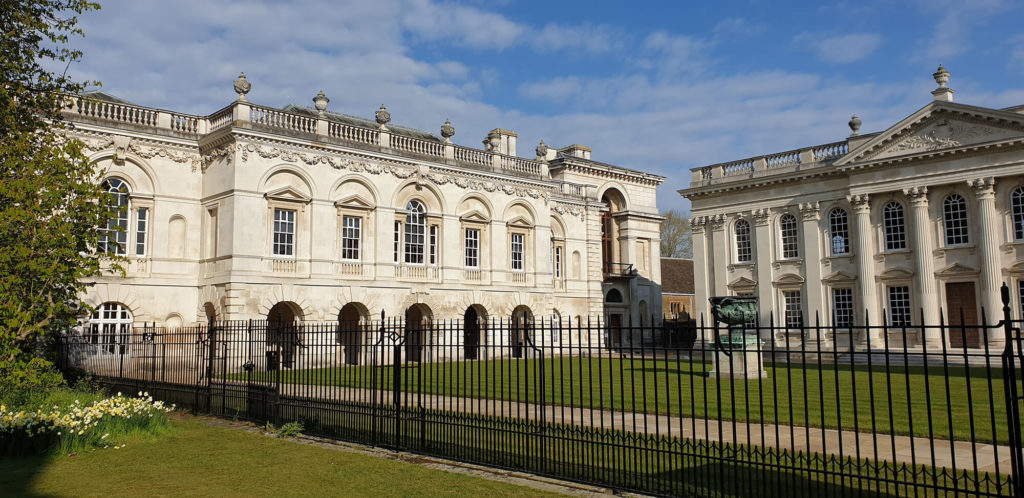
<point>675,236</point>
<point>51,211</point>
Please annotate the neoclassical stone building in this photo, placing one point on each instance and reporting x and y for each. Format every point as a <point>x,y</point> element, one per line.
<point>305,214</point>
<point>927,215</point>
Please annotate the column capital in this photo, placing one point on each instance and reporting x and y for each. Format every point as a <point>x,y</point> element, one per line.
<point>697,224</point>
<point>761,216</point>
<point>918,196</point>
<point>983,187</point>
<point>810,210</point>
<point>861,203</point>
<point>717,222</point>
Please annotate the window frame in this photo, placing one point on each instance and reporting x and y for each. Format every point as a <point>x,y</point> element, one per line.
<point>906,312</point>
<point>955,224</point>
<point>351,238</point>
<point>742,245</point>
<point>471,248</point>
<point>414,233</point>
<point>789,243</point>
<point>142,222</point>
<point>844,309</point>
<point>894,228</point>
<point>521,253</point>
<point>110,328</point>
<point>276,231</point>
<point>839,226</point>
<point>793,316</point>
<point>1017,214</point>
<point>121,193</point>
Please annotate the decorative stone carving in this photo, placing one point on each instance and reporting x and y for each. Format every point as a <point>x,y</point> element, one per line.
<point>321,101</point>
<point>697,224</point>
<point>762,216</point>
<point>447,131</point>
<point>943,135</point>
<point>717,222</point>
<point>382,116</point>
<point>941,76</point>
<point>242,87</point>
<point>192,159</point>
<point>222,152</point>
<point>860,202</point>
<point>564,209</point>
<point>918,195</point>
<point>121,147</point>
<point>542,150</point>
<point>983,187</point>
<point>854,123</point>
<point>810,210</point>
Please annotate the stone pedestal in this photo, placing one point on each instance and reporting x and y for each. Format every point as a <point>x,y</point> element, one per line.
<point>743,362</point>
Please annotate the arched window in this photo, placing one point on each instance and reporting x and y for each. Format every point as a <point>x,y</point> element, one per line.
<point>1017,212</point>
<point>415,232</point>
<point>742,233</point>
<point>839,232</point>
<point>788,229</point>
<point>613,296</point>
<point>110,328</point>
<point>114,237</point>
<point>894,226</point>
<point>954,220</point>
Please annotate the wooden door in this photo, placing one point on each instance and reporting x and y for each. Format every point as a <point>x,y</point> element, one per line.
<point>962,310</point>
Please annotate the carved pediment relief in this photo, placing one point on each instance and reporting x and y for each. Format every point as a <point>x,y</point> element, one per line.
<point>287,194</point>
<point>519,222</point>
<point>789,279</point>
<point>474,217</point>
<point>1017,267</point>
<point>895,274</point>
<point>354,202</point>
<point>944,133</point>
<point>837,277</point>
<point>956,269</point>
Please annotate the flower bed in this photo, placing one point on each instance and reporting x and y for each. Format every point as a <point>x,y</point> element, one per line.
<point>76,426</point>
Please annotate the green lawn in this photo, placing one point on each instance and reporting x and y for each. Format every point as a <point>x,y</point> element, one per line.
<point>196,459</point>
<point>924,401</point>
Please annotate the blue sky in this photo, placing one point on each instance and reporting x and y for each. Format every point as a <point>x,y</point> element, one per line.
<point>655,86</point>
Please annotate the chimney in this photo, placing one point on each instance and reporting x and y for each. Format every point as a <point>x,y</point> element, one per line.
<point>942,93</point>
<point>501,141</point>
<point>576,150</point>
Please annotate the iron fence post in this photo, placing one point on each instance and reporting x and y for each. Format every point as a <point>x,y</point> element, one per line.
<point>1012,396</point>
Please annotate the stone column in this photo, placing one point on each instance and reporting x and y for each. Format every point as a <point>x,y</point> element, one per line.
<point>988,247</point>
<point>866,267</point>
<point>720,256</point>
<point>924,274</point>
<point>700,311</point>
<point>763,244</point>
<point>813,286</point>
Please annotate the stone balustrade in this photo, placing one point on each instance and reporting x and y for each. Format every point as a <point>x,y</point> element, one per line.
<point>770,164</point>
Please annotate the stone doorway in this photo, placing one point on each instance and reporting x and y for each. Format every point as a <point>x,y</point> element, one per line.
<point>962,310</point>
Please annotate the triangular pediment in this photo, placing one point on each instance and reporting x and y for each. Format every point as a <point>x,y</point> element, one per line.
<point>520,222</point>
<point>1017,267</point>
<point>287,194</point>
<point>742,282</point>
<point>895,274</point>
<point>939,127</point>
<point>474,217</point>
<point>354,202</point>
<point>956,269</point>
<point>839,277</point>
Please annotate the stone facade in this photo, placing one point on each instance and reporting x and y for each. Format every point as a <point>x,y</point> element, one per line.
<point>926,216</point>
<point>309,213</point>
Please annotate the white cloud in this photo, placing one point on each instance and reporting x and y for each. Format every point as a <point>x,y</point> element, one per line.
<point>841,49</point>
<point>952,33</point>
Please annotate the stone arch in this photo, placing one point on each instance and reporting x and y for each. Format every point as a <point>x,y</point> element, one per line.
<point>475,202</point>
<point>614,296</point>
<point>177,237</point>
<point>210,312</point>
<point>557,227</point>
<point>353,184</point>
<point>173,321</point>
<point>110,328</point>
<point>287,175</point>
<point>431,197</point>
<point>115,292</point>
<point>140,176</point>
<point>353,320</point>
<point>474,324</point>
<point>616,193</point>
<point>520,209</point>
<point>419,320</point>
<point>283,333</point>
<point>521,330</point>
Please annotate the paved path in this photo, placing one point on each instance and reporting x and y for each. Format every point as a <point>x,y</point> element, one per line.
<point>961,455</point>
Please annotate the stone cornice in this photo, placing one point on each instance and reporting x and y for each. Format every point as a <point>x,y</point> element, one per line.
<point>601,170</point>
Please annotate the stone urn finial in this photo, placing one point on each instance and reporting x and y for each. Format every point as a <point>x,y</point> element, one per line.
<point>321,101</point>
<point>854,125</point>
<point>383,116</point>
<point>242,87</point>
<point>447,131</point>
<point>542,150</point>
<point>941,76</point>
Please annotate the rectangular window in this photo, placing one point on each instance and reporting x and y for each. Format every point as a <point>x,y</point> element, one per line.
<point>517,251</point>
<point>793,309</point>
<point>141,224</point>
<point>842,308</point>
<point>752,324</point>
<point>472,248</point>
<point>1020,297</point>
<point>350,237</point>
<point>433,244</point>
<point>788,227</point>
<point>398,236</point>
<point>899,306</point>
<point>284,232</point>
<point>558,262</point>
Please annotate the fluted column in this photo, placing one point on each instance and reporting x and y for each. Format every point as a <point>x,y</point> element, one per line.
<point>988,246</point>
<point>719,256</point>
<point>866,266</point>
<point>924,275</point>
<point>811,214</point>
<point>700,269</point>
<point>763,258</point>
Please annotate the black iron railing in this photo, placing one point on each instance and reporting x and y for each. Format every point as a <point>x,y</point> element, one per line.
<point>818,411</point>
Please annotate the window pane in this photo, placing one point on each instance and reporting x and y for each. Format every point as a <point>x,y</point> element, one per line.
<point>558,261</point>
<point>141,224</point>
<point>839,232</point>
<point>350,237</point>
<point>787,225</point>
<point>895,228</point>
<point>743,250</point>
<point>954,217</point>
<point>793,309</point>
<point>284,232</point>
<point>842,308</point>
<point>114,238</point>
<point>415,232</point>
<point>433,244</point>
<point>899,306</point>
<point>472,248</point>
<point>517,251</point>
<point>1017,212</point>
